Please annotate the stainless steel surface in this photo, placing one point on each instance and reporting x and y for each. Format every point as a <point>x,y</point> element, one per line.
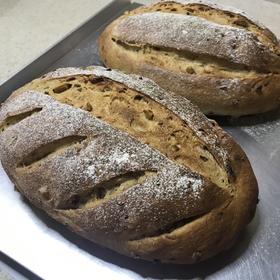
<point>51,251</point>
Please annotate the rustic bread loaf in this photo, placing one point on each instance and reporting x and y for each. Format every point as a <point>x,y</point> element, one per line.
<point>126,165</point>
<point>218,58</point>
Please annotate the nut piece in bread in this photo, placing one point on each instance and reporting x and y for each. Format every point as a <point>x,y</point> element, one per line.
<point>218,58</point>
<point>126,165</point>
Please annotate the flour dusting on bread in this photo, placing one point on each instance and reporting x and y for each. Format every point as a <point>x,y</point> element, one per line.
<point>111,185</point>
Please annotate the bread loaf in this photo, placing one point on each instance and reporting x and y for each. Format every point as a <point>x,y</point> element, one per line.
<point>126,165</point>
<point>219,58</point>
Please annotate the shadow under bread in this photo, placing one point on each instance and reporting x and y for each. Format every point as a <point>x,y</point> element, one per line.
<point>156,270</point>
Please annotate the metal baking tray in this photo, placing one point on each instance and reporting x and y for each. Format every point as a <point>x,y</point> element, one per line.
<point>44,247</point>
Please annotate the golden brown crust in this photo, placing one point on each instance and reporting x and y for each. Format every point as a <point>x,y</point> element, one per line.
<point>232,89</point>
<point>61,157</point>
<point>211,227</point>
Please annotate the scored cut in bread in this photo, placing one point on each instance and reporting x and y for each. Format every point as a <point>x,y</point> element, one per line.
<point>127,165</point>
<point>218,58</point>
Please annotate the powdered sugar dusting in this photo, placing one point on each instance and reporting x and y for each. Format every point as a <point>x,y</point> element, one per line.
<point>192,34</point>
<point>195,185</point>
<point>177,104</point>
<point>120,158</point>
<point>91,171</point>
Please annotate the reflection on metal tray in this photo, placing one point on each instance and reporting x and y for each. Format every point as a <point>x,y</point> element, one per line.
<point>52,252</point>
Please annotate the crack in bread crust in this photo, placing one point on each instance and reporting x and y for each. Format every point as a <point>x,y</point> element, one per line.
<point>107,190</point>
<point>14,119</point>
<point>184,62</point>
<point>47,150</point>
